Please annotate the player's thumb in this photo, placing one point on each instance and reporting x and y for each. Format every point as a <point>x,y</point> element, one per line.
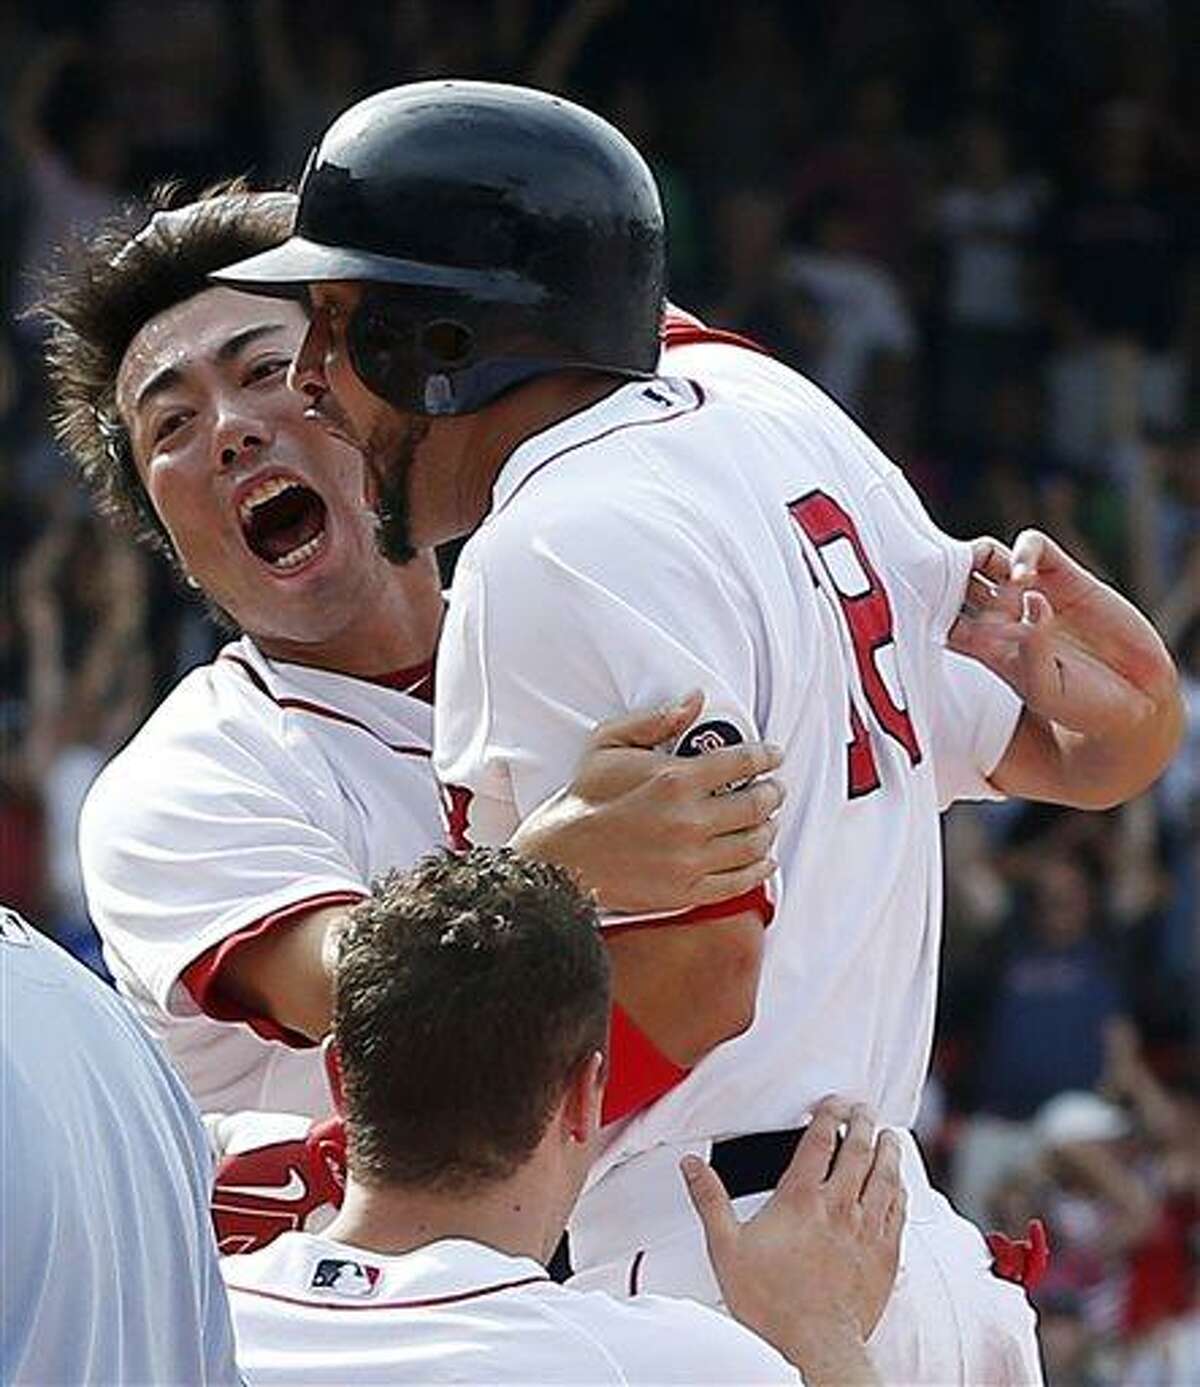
<point>651,727</point>
<point>713,1207</point>
<point>1034,552</point>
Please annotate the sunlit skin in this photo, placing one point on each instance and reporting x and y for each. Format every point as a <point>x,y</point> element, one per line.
<point>449,472</point>
<point>203,391</point>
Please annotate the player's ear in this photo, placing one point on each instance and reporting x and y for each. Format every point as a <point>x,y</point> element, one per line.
<point>333,1072</point>
<point>584,1097</point>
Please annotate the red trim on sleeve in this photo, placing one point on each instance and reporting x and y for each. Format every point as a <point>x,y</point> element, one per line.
<point>203,977</point>
<point>639,1072</point>
<point>755,899</point>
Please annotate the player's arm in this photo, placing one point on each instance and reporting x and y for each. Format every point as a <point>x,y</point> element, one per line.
<point>1103,713</point>
<point>612,825</point>
<point>689,986</point>
<point>685,983</point>
<point>214,880</point>
<point>286,973</point>
<point>675,839</point>
<point>648,831</point>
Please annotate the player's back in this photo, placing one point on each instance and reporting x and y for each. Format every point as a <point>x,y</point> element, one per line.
<point>458,1311</point>
<point>109,1265</point>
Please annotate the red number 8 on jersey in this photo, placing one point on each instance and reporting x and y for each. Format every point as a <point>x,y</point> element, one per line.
<point>868,612</point>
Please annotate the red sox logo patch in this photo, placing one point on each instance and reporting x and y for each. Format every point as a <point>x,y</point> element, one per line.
<point>707,737</point>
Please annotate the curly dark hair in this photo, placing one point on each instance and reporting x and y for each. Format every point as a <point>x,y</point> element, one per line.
<point>466,992</point>
<point>106,288</point>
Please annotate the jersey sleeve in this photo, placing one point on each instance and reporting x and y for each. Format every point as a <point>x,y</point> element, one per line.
<point>547,637</point>
<point>187,841</point>
<point>974,716</point>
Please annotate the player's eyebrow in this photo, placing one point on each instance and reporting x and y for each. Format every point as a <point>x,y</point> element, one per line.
<point>158,382</point>
<point>240,340</point>
<point>171,376</point>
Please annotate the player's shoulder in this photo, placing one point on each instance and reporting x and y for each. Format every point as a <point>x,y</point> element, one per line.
<point>669,1339</point>
<point>214,713</point>
<point>589,480</point>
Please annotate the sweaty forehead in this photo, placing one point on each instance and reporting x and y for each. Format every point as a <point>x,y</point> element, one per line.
<point>193,333</point>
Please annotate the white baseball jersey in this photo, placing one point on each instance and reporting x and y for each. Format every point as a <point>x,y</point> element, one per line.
<point>735,532</point>
<point>727,527</point>
<point>309,1310</point>
<point>256,791</point>
<point>108,1268</point>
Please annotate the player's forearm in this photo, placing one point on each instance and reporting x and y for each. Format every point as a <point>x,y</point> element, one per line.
<point>287,974</point>
<point>1047,761</point>
<point>689,987</point>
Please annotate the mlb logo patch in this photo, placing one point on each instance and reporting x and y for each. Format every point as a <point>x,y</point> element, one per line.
<point>341,1277</point>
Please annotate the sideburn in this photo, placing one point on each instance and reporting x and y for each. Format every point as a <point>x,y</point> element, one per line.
<point>393,532</point>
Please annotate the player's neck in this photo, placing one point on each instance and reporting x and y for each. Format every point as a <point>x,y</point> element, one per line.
<point>474,448</point>
<point>397,629</point>
<point>515,1216</point>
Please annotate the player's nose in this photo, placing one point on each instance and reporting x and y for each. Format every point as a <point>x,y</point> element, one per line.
<point>238,435</point>
<point>307,371</point>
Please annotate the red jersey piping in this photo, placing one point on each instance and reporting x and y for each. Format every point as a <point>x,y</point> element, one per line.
<point>427,1303</point>
<point>202,977</point>
<point>304,705</point>
<point>606,433</point>
<point>755,899</point>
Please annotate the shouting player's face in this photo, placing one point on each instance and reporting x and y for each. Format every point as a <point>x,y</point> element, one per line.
<point>267,511</point>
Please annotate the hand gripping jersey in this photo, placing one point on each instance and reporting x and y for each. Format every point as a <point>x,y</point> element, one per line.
<point>727,527</point>
<point>108,1267</point>
<point>309,1310</point>
<point>257,791</point>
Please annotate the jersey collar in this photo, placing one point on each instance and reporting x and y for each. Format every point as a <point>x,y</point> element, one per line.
<point>639,402</point>
<point>448,1270</point>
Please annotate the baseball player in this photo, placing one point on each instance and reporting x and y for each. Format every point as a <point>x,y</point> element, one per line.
<point>471,1012</point>
<point>107,1263</point>
<point>485,268</point>
<point>223,844</point>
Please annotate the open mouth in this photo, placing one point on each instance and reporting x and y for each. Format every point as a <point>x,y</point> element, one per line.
<point>283,522</point>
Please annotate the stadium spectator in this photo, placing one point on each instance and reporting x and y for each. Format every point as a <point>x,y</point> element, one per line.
<point>1048,1003</point>
<point>984,225</point>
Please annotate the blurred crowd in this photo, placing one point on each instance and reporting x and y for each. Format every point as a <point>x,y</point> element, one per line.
<point>975,226</point>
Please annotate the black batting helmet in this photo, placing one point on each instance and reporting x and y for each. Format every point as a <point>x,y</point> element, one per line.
<point>503,233</point>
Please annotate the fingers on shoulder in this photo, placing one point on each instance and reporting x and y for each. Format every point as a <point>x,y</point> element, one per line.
<point>884,1198</point>
<point>853,1158</point>
<point>711,1202</point>
<point>991,557</point>
<point>810,1165</point>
